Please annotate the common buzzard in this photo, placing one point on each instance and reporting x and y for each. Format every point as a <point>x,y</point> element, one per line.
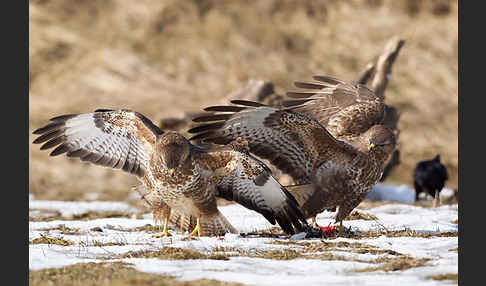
<point>331,171</point>
<point>178,175</point>
<point>346,110</point>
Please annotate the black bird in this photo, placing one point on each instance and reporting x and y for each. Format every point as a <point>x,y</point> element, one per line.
<point>429,176</point>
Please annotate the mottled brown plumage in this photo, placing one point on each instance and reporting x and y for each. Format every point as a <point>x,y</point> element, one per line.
<point>346,110</point>
<point>334,172</point>
<point>179,178</point>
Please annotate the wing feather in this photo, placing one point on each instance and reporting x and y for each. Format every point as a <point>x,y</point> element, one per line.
<point>119,139</point>
<point>336,104</point>
<point>250,183</point>
<point>294,142</point>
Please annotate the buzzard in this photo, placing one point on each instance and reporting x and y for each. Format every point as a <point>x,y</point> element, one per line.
<point>346,110</point>
<point>179,176</point>
<point>331,169</point>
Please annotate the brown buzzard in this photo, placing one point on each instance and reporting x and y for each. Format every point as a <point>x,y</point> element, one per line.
<point>334,171</point>
<point>178,175</point>
<point>345,109</point>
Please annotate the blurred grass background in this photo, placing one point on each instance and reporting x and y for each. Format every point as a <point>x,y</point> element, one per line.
<point>164,58</point>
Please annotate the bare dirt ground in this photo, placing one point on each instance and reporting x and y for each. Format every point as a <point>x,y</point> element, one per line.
<point>164,58</point>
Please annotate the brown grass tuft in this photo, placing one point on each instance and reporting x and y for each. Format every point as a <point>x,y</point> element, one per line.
<point>172,253</point>
<point>448,276</point>
<point>51,240</point>
<point>63,229</point>
<point>396,264</point>
<point>109,274</point>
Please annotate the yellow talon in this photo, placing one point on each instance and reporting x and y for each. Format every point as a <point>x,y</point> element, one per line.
<point>165,232</point>
<point>197,229</point>
<point>314,223</point>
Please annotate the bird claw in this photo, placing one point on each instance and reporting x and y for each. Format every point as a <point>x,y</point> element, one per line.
<point>343,231</point>
<point>163,234</point>
<point>194,232</point>
<point>197,229</point>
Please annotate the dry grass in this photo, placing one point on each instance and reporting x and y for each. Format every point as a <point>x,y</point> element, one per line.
<point>393,261</point>
<point>448,276</point>
<point>355,215</point>
<point>171,253</point>
<point>109,274</point>
<point>165,58</point>
<point>90,215</point>
<point>400,233</point>
<point>365,205</point>
<point>94,274</point>
<point>51,240</point>
<point>396,264</point>
<point>63,230</point>
<point>326,246</point>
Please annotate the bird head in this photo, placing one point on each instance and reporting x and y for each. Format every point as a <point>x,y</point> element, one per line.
<point>381,139</point>
<point>174,150</point>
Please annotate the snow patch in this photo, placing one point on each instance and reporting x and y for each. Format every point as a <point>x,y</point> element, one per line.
<point>100,239</point>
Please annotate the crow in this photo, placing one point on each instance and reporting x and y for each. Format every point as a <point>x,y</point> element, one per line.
<point>429,176</point>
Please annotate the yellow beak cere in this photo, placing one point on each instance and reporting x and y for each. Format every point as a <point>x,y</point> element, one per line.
<point>171,171</point>
<point>371,146</point>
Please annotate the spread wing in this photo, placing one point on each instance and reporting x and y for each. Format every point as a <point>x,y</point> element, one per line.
<point>119,139</point>
<point>247,181</point>
<point>342,107</point>
<point>292,141</point>
<point>390,120</point>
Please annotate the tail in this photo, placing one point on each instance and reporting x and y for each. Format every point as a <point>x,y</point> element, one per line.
<point>215,225</point>
<point>181,221</point>
<point>160,211</point>
<point>310,202</point>
<point>211,225</point>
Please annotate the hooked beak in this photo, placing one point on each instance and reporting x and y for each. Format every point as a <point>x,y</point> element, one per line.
<point>371,147</point>
<point>171,171</point>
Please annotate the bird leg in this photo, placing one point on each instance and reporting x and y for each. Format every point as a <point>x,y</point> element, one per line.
<point>341,227</point>
<point>181,224</point>
<point>197,229</point>
<point>436,199</point>
<point>314,223</point>
<point>165,232</point>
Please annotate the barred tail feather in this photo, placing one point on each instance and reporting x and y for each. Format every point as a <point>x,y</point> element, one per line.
<point>303,194</point>
<point>182,222</point>
<point>215,225</point>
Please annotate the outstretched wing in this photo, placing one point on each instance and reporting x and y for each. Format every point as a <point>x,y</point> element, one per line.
<point>119,139</point>
<point>292,141</point>
<point>342,107</point>
<point>247,181</point>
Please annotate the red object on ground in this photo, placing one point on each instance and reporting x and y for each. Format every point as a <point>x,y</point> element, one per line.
<point>328,230</point>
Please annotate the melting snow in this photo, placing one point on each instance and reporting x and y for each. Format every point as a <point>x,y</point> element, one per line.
<point>118,237</point>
